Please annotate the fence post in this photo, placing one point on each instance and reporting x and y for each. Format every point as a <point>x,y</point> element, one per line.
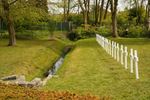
<point>118,52</point>
<point>107,46</point>
<point>112,49</point>
<point>136,64</point>
<point>103,42</point>
<point>126,57</point>
<point>115,50</point>
<point>131,60</point>
<point>122,54</point>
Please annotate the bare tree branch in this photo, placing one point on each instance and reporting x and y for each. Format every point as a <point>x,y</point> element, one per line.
<point>13,2</point>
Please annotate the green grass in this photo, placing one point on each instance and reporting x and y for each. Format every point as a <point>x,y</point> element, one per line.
<point>31,58</point>
<point>89,69</point>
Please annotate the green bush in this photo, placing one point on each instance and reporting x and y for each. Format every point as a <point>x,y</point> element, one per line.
<point>76,19</point>
<point>136,31</point>
<point>82,33</point>
<point>105,31</point>
<point>86,33</point>
<point>73,36</point>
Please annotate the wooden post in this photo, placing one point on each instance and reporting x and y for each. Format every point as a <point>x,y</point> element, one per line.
<point>126,58</point>
<point>118,52</point>
<point>131,60</point>
<point>136,64</point>
<point>121,54</point>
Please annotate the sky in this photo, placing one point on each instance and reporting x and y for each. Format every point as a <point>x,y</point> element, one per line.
<point>55,9</point>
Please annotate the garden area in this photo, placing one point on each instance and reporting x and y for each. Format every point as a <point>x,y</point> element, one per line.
<point>74,50</point>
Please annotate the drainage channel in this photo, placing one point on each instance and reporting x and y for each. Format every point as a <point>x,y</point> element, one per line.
<point>57,65</point>
<point>36,82</point>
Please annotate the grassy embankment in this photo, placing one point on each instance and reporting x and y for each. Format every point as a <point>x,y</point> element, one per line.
<point>89,69</point>
<point>31,58</point>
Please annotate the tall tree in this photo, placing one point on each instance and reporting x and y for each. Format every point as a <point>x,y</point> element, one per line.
<point>106,10</point>
<point>114,4</point>
<point>10,25</point>
<point>148,18</point>
<point>101,11</point>
<point>84,8</point>
<point>65,9</point>
<point>68,9</point>
<point>97,5</point>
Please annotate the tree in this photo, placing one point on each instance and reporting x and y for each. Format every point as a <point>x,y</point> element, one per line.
<point>101,11</point>
<point>68,10</point>
<point>85,10</point>
<point>114,4</point>
<point>148,17</point>
<point>106,10</point>
<point>97,3</point>
<point>42,4</point>
<point>10,24</point>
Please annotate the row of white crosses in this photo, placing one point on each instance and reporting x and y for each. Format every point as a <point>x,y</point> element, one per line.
<point>120,53</point>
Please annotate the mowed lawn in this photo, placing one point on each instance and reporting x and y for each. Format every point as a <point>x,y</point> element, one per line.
<point>31,58</point>
<point>89,69</point>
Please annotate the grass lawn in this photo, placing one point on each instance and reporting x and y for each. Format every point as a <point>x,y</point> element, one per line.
<point>89,69</point>
<point>30,57</point>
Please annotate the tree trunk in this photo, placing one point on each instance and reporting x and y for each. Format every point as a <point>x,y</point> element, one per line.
<point>68,9</point>
<point>84,11</point>
<point>114,25</point>
<point>101,12</point>
<point>114,4</point>
<point>107,5</point>
<point>148,25</point>
<point>65,10</point>
<point>96,12</point>
<point>10,24</point>
<point>86,18</point>
<point>88,11</point>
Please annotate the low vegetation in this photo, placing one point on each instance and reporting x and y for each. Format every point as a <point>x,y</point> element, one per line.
<point>8,92</point>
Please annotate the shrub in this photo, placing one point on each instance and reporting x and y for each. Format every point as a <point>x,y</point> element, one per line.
<point>73,36</point>
<point>83,33</point>
<point>76,19</point>
<point>86,33</point>
<point>105,31</point>
<point>136,31</point>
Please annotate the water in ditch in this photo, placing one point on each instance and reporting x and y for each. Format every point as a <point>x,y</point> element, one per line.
<point>59,62</point>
